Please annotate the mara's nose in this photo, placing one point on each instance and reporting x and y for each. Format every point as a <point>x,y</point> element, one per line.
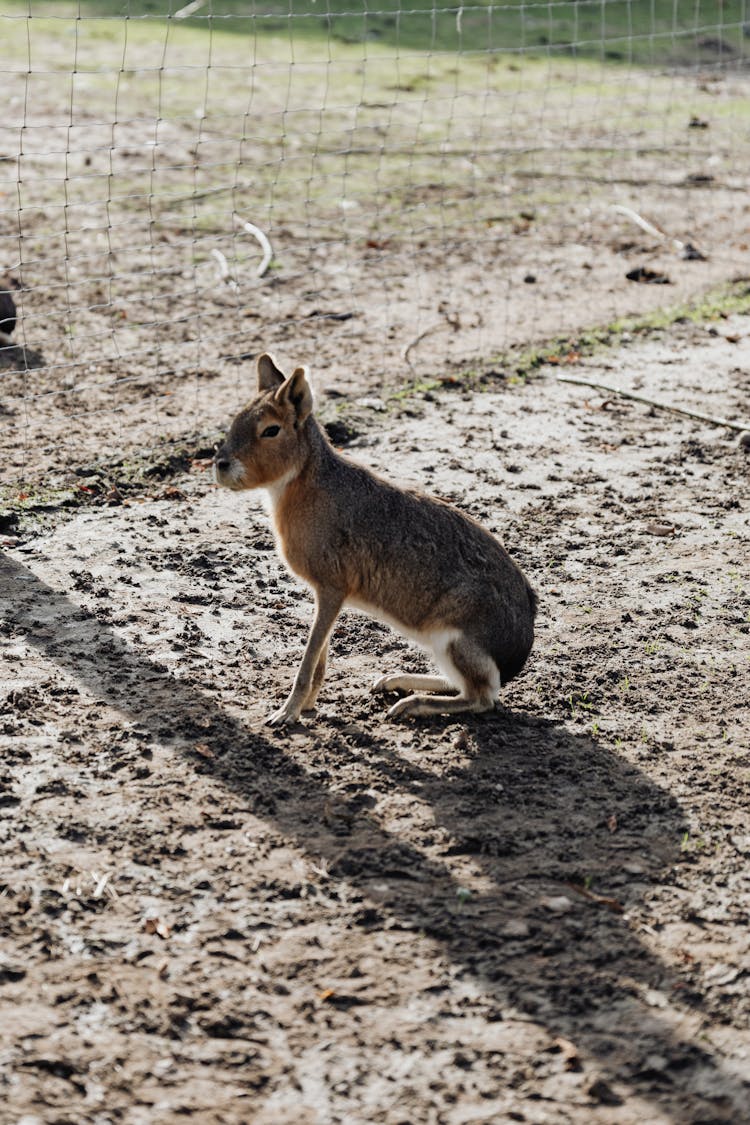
<point>221,461</point>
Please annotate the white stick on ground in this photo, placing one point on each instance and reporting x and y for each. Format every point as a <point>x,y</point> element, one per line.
<point>262,241</point>
<point>740,427</point>
<point>644,224</point>
<point>684,248</point>
<point>223,268</point>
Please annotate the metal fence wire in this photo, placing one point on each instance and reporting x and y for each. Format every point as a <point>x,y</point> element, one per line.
<point>405,190</point>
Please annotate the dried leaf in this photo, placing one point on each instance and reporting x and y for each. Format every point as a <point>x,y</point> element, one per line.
<point>156,926</point>
<point>663,529</point>
<point>326,994</point>
<point>601,900</point>
<point>612,823</point>
<point>569,1053</point>
<point>204,750</point>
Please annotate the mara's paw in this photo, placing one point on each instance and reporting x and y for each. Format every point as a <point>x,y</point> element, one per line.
<point>284,717</point>
<point>406,708</point>
<point>391,682</point>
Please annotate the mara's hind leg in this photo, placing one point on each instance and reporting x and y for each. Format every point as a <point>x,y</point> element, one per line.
<point>406,681</point>
<point>468,665</point>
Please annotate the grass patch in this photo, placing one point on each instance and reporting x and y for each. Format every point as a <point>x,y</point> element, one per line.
<point>645,32</point>
<point>152,117</point>
<point>715,305</point>
<point>515,366</point>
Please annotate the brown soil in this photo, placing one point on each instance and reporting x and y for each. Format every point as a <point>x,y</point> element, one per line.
<point>535,916</point>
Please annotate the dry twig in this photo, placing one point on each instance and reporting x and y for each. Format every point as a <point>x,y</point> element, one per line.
<point>418,340</point>
<point>740,427</point>
<point>686,249</point>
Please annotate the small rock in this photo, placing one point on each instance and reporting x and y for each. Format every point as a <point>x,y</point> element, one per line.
<point>556,904</point>
<point>691,253</point>
<point>720,975</point>
<point>654,999</point>
<point>10,972</point>
<point>634,868</point>
<point>647,276</point>
<point>372,403</point>
<point>516,928</point>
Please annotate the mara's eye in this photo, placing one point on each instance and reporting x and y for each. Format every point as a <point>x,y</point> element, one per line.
<point>270,431</point>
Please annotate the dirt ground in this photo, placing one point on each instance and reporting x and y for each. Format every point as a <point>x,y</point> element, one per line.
<point>427,214</point>
<point>540,915</point>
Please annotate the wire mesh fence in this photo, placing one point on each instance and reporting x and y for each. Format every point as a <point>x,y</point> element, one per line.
<point>388,192</point>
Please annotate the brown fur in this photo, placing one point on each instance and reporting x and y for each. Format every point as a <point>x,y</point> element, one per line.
<point>407,558</point>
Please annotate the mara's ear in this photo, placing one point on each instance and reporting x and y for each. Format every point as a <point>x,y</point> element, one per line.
<point>296,391</point>
<point>269,376</point>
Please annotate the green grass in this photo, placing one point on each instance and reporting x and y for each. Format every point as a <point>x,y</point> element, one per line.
<point>402,141</point>
<point>308,128</point>
<point>519,364</point>
<point>719,303</point>
<point>311,112</point>
<point>647,32</point>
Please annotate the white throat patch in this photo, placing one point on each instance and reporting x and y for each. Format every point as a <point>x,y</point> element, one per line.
<point>275,489</point>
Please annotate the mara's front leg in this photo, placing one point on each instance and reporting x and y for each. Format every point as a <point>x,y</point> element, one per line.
<point>312,666</point>
<point>317,681</point>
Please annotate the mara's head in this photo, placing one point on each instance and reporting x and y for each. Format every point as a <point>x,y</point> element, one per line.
<point>263,443</point>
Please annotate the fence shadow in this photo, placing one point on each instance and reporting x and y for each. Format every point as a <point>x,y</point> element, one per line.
<point>531,807</point>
